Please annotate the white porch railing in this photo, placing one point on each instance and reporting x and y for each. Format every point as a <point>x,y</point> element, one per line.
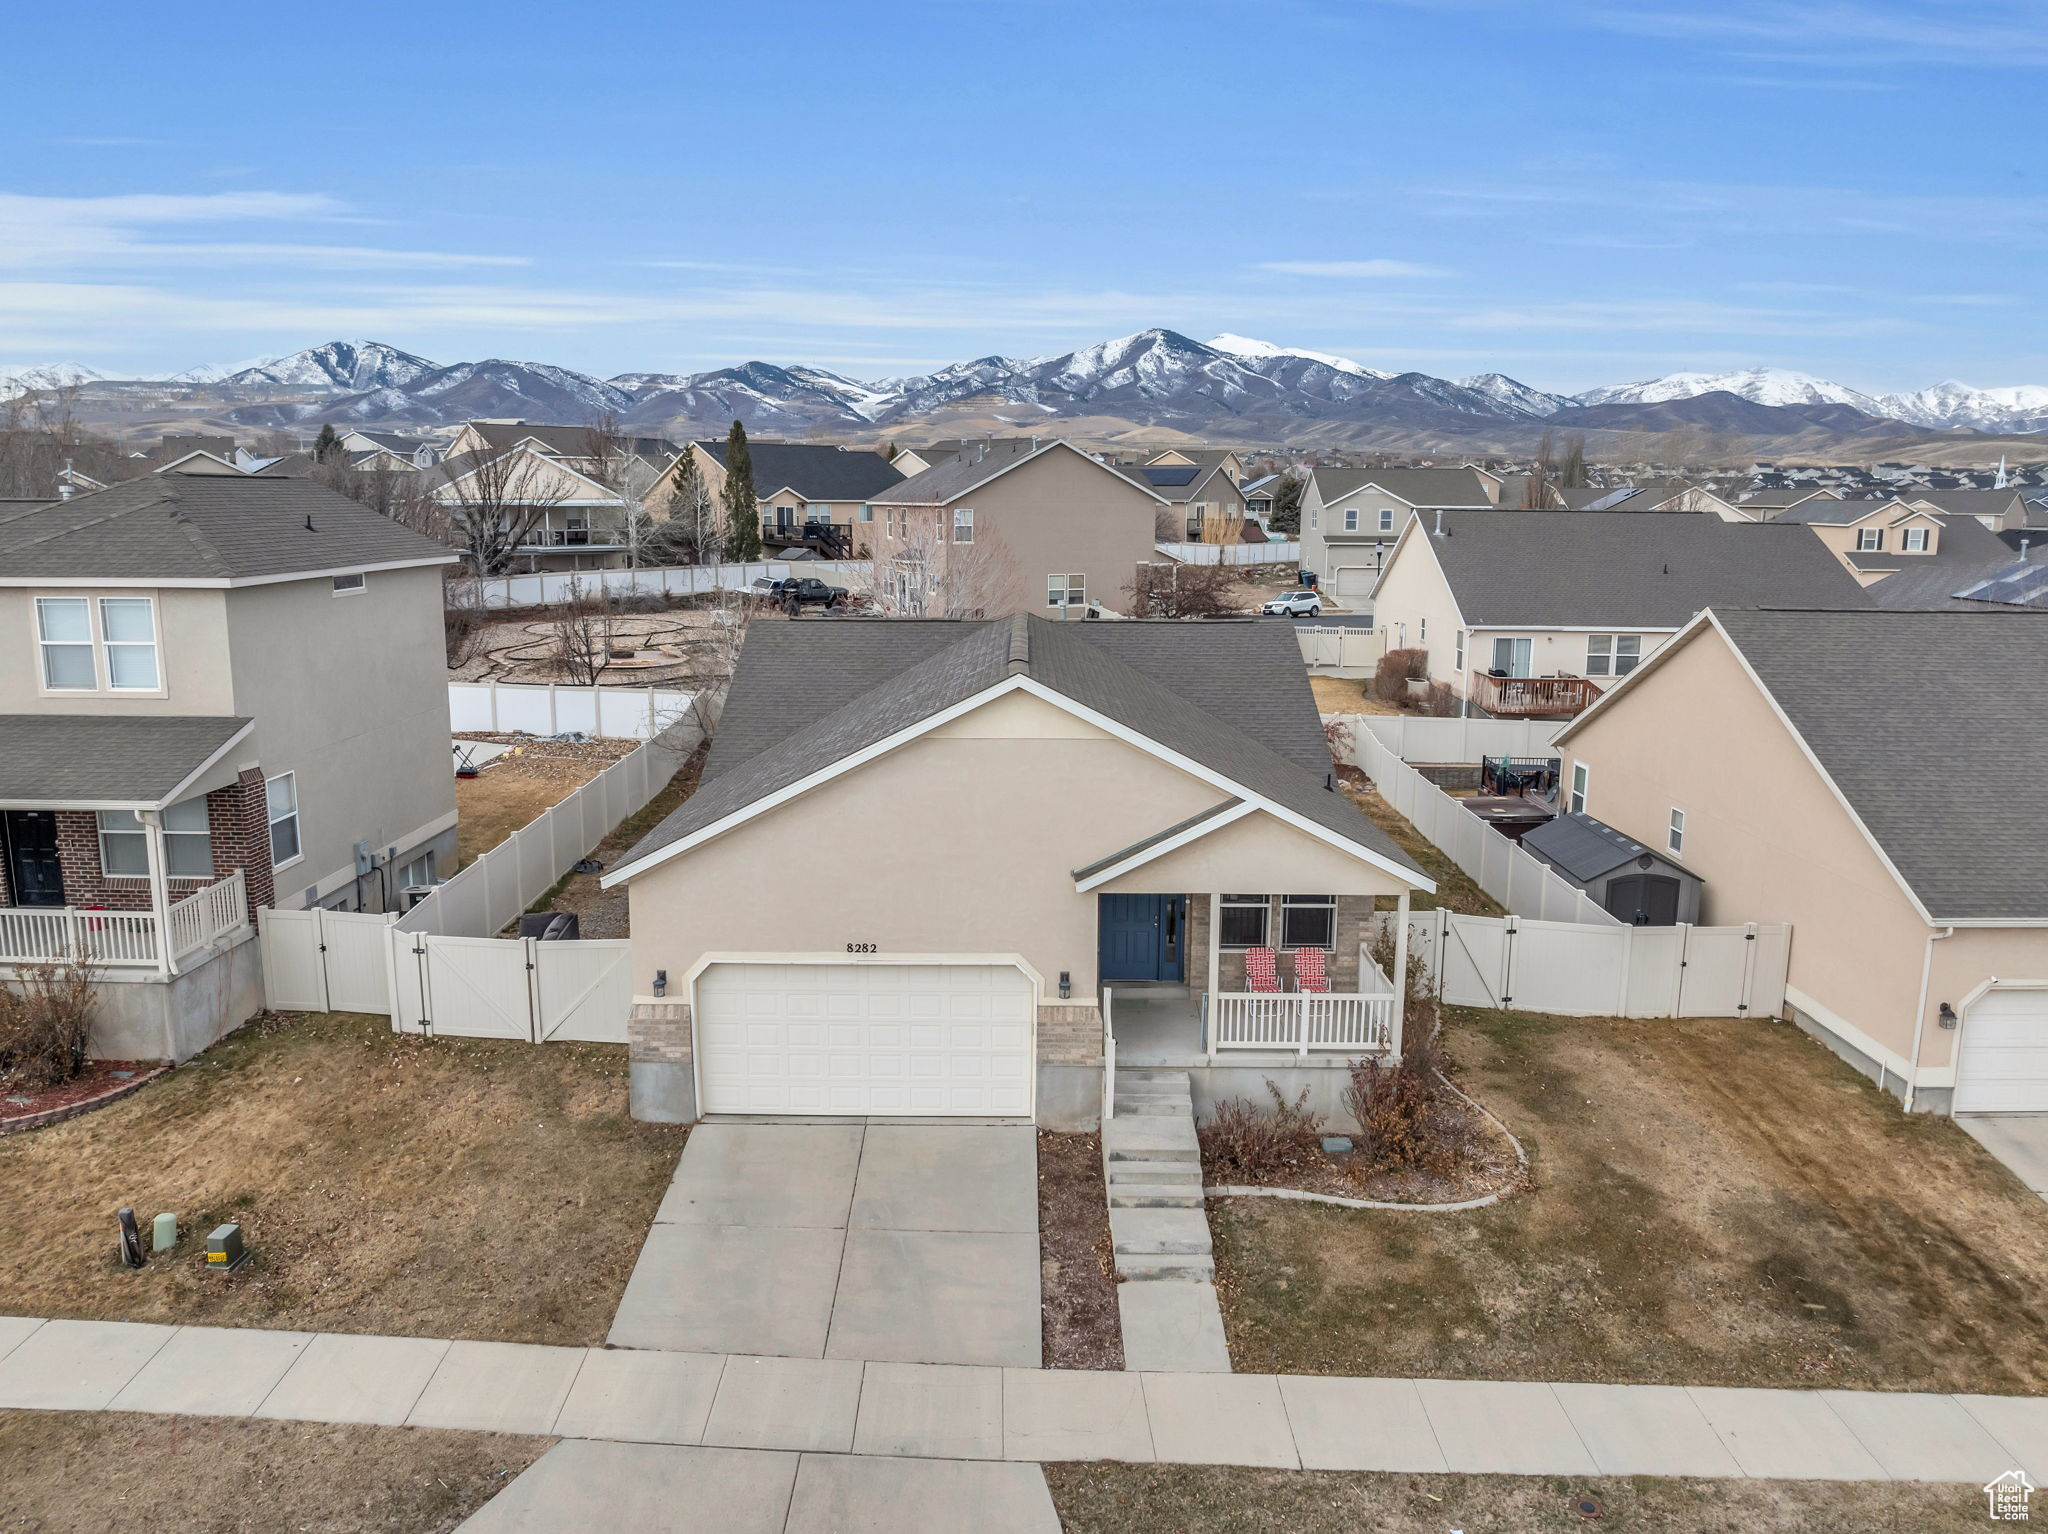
<point>1301,1021</point>
<point>66,934</point>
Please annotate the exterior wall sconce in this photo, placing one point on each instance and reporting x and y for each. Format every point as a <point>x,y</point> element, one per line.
<point>661,982</point>
<point>1948,1015</point>
<point>1066,984</point>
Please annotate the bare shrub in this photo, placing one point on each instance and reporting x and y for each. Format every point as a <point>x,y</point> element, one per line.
<point>1168,590</point>
<point>1408,1117</point>
<point>1245,1143</point>
<point>463,617</point>
<point>581,633</point>
<point>1440,702</point>
<point>1390,681</point>
<point>46,1020</point>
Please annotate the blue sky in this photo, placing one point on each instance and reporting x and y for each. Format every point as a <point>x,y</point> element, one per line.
<point>1571,192</point>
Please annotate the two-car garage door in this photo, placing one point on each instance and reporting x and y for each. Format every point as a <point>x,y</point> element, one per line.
<point>881,1039</point>
<point>2003,1067</point>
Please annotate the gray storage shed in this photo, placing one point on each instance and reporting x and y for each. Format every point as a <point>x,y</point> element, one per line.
<point>1627,879</point>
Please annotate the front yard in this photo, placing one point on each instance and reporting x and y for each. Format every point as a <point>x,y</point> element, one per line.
<point>469,1188</point>
<point>1713,1202</point>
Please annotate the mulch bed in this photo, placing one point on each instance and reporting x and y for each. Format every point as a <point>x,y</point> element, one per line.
<point>1077,1261</point>
<point>100,1083</point>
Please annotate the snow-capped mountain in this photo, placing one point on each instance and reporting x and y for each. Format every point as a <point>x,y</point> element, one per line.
<point>777,397</point>
<point>47,375</point>
<point>1513,396</point>
<point>1246,347</point>
<point>1761,386</point>
<point>463,391</point>
<point>2023,407</point>
<point>350,365</point>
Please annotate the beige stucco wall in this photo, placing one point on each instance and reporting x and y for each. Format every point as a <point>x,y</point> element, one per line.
<point>1773,844</point>
<point>191,639</point>
<point>350,693</point>
<point>1412,592</point>
<point>1841,539</point>
<point>1257,853</point>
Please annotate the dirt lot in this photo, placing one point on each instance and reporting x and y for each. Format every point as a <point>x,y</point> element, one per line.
<point>601,912</point>
<point>66,1471</point>
<point>514,790</point>
<point>478,1188</point>
<point>1714,1202</point>
<point>680,647</point>
<point>1137,1499</point>
<point>1083,1329</point>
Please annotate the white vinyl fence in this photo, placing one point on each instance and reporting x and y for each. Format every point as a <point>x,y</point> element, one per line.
<point>1272,552</point>
<point>1340,650</point>
<point>469,987</point>
<point>674,580</point>
<point>1616,971</point>
<point>1519,880</point>
<point>627,713</point>
<point>1414,738</point>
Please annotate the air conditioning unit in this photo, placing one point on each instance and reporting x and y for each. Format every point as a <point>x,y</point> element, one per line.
<point>412,894</point>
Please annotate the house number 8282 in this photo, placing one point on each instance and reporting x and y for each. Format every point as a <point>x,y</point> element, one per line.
<point>860,947</point>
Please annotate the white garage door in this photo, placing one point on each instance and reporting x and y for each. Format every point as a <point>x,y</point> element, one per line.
<point>884,1039</point>
<point>1355,580</point>
<point>2004,1064</point>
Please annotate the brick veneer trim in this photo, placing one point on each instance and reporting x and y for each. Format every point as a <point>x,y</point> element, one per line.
<point>1070,1034</point>
<point>238,823</point>
<point>659,1031</point>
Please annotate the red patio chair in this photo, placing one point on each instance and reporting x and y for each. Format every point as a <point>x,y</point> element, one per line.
<point>1310,973</point>
<point>1261,970</point>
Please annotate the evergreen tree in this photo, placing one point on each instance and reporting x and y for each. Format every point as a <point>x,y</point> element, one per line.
<point>742,507</point>
<point>327,445</point>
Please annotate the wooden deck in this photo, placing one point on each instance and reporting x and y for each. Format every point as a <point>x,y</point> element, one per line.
<point>1533,697</point>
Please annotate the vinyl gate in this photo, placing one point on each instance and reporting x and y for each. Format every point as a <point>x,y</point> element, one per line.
<point>466,987</point>
<point>1586,971</point>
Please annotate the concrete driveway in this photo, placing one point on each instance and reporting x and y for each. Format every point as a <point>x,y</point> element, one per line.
<point>897,1242</point>
<point>2020,1140</point>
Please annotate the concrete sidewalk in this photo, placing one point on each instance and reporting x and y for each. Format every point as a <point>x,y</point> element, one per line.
<point>953,1412</point>
<point>916,1243</point>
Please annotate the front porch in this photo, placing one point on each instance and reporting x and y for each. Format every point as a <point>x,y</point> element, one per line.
<point>160,938</point>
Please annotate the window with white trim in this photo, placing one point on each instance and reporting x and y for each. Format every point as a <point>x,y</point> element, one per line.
<point>1066,590</point>
<point>1308,921</point>
<point>1578,799</point>
<point>1613,654</point>
<point>1315,521</point>
<point>1675,838</point>
<point>351,583</point>
<point>1915,540</point>
<point>867,513</point>
<point>1386,519</point>
<point>1869,539</point>
<point>1242,921</point>
<point>128,632</point>
<point>281,805</point>
<point>1350,519</point>
<point>64,631</point>
<point>90,646</point>
<point>188,842</point>
<point>1458,652</point>
<point>1422,632</point>
<point>963,524</point>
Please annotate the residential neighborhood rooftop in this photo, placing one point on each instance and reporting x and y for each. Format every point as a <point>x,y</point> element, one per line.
<point>818,472</point>
<point>1418,487</point>
<point>102,760</point>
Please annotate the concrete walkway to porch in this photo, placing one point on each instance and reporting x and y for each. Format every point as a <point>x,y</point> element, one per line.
<point>905,1242</point>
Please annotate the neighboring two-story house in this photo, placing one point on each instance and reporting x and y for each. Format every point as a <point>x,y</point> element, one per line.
<point>1020,525</point>
<point>216,694</point>
<point>1533,613</point>
<point>1350,519</point>
<point>570,493</point>
<point>1201,484</point>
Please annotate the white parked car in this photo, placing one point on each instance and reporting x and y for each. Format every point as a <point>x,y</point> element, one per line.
<point>1296,604</point>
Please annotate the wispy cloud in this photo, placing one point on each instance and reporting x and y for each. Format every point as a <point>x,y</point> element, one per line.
<point>1377,268</point>
<point>1679,316</point>
<point>1985,33</point>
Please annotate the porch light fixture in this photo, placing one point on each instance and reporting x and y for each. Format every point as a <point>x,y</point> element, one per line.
<point>1066,985</point>
<point>1948,1015</point>
<point>661,982</point>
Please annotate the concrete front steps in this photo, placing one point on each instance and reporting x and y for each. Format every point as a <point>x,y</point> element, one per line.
<point>1159,1226</point>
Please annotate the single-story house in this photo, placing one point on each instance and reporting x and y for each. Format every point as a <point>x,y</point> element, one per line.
<point>925,853</point>
<point>1532,615</point>
<point>1857,774</point>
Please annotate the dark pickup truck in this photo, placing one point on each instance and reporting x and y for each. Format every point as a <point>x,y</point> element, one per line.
<point>801,591</point>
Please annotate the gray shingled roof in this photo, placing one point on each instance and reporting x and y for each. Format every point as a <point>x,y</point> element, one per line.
<point>1585,848</point>
<point>1927,741</point>
<point>1975,503</point>
<point>1618,569</point>
<point>1966,552</point>
<point>1426,488</point>
<point>204,527</point>
<point>104,759</point>
<point>816,472</point>
<point>1134,673</point>
<point>947,481</point>
<point>1841,513</point>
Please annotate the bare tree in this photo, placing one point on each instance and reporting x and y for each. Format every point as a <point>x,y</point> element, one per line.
<point>582,630</point>
<point>463,618</point>
<point>1542,477</point>
<point>42,445</point>
<point>496,504</point>
<point>926,575</point>
<point>1168,590</point>
<point>403,495</point>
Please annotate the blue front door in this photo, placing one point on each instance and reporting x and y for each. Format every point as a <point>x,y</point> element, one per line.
<point>1141,936</point>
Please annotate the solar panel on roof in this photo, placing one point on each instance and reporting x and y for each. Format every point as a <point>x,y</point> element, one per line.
<point>2021,585</point>
<point>1172,474</point>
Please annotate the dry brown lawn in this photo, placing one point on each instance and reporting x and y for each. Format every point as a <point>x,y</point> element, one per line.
<point>601,912</point>
<point>1715,1202</point>
<point>474,1188</point>
<point>512,791</point>
<point>1456,890</point>
<point>1346,695</point>
<point>1190,1499</point>
<point>65,1471</point>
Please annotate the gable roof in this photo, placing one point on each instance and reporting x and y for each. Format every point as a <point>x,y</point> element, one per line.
<point>1839,513</point>
<point>817,472</point>
<point>1976,503</point>
<point>1618,569</point>
<point>1423,488</point>
<point>786,669</point>
<point>213,530</point>
<point>1965,553</point>
<point>946,482</point>
<point>1791,497</point>
<point>1923,739</point>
